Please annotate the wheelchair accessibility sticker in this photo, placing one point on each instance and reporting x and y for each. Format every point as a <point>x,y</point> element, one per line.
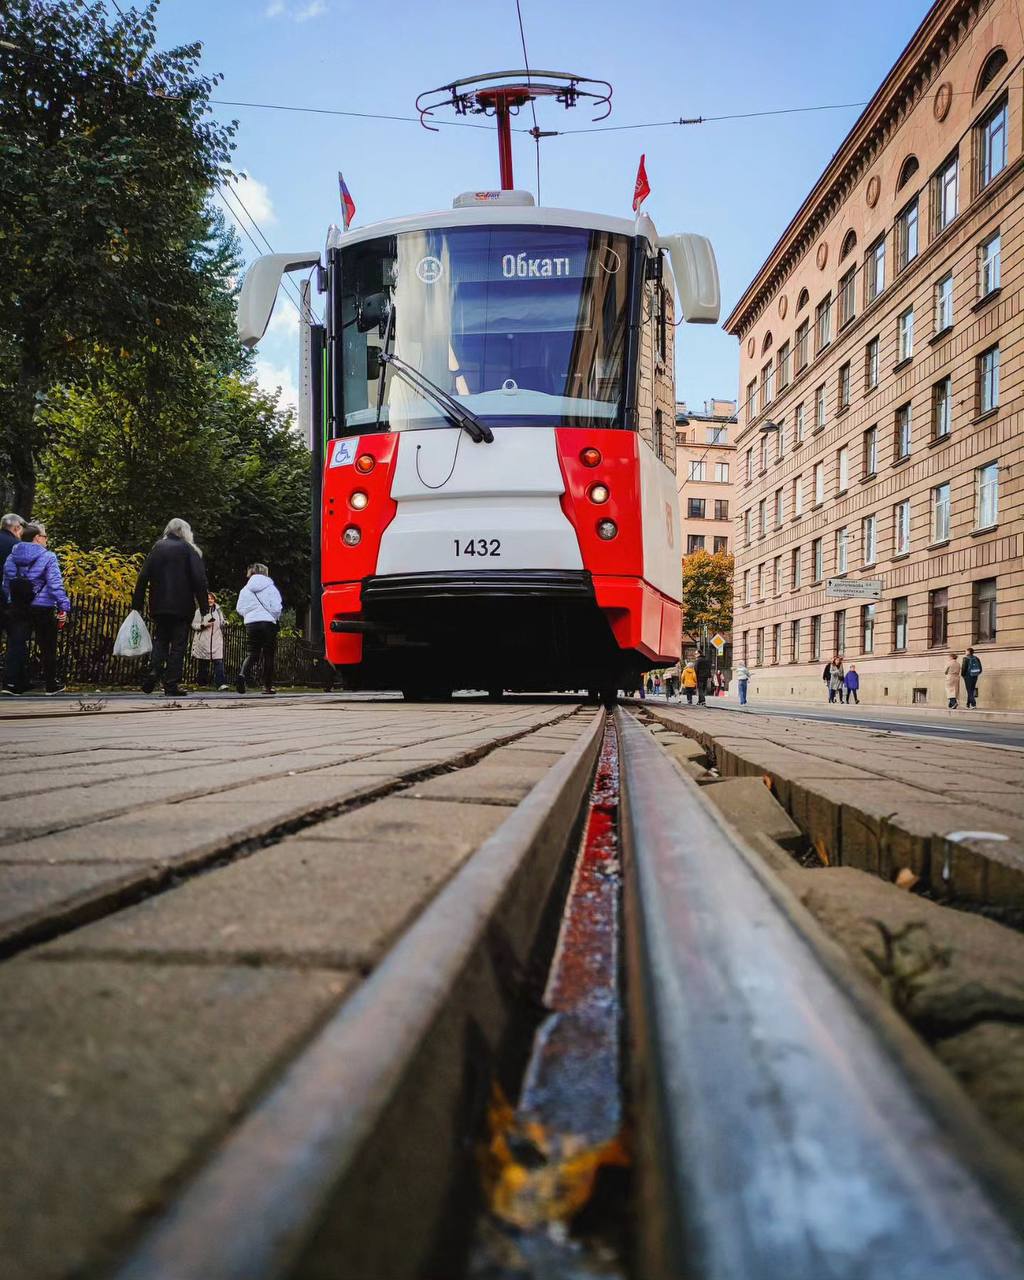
<point>344,452</point>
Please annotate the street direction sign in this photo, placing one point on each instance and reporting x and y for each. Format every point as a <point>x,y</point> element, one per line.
<point>718,640</point>
<point>847,589</point>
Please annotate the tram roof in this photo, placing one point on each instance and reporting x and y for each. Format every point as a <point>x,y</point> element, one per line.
<point>496,215</point>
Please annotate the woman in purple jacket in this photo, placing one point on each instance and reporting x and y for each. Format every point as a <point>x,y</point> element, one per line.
<point>34,589</point>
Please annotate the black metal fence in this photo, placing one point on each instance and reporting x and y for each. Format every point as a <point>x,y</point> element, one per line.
<point>85,653</point>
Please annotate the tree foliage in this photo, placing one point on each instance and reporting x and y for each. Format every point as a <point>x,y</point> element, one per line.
<point>707,592</point>
<point>101,574</point>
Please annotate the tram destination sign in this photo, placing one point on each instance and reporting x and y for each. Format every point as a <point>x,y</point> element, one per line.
<point>846,589</point>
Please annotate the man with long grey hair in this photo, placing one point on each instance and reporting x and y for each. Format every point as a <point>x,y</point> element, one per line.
<point>176,578</point>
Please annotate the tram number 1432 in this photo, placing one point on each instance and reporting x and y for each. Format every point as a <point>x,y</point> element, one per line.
<point>477,546</point>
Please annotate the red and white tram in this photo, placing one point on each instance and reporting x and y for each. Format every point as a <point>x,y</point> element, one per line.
<point>494,442</point>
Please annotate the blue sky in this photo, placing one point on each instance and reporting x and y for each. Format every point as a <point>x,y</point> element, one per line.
<point>737,181</point>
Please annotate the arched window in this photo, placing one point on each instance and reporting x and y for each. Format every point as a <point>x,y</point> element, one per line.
<point>910,167</point>
<point>767,344</point>
<point>994,63</point>
<point>849,243</point>
<point>803,299</point>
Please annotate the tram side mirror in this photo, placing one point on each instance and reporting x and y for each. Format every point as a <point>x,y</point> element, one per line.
<point>696,273</point>
<point>259,291</point>
<point>372,312</point>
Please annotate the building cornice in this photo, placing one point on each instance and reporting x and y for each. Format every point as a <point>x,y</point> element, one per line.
<point>913,75</point>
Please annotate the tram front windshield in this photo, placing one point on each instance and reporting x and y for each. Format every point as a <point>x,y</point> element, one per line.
<point>525,326</point>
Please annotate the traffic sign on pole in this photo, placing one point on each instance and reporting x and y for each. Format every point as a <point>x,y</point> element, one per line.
<point>718,640</point>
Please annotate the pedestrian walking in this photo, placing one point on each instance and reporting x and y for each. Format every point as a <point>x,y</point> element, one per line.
<point>743,680</point>
<point>952,677</point>
<point>38,606</point>
<point>836,677</point>
<point>826,675</point>
<point>10,535</point>
<point>703,669</point>
<point>689,679</point>
<point>671,682</point>
<point>970,670</point>
<point>208,644</point>
<point>176,578</point>
<point>259,603</point>
<point>851,683</point>
<point>720,683</point>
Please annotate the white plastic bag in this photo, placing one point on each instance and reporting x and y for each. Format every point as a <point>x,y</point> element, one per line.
<point>133,638</point>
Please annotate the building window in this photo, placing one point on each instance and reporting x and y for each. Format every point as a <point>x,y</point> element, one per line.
<point>901,526</point>
<point>721,509</point>
<point>802,353</point>
<point>764,453</point>
<point>783,366</point>
<point>698,470</point>
<point>816,638</point>
<point>746,586</point>
<point>869,538</point>
<point>871,365</point>
<point>870,451</point>
<point>839,632</point>
<point>988,380</point>
<point>748,520</point>
<point>794,567</point>
<point>988,266</point>
<point>767,384</point>
<point>716,435</point>
<point>940,513</point>
<point>762,517</point>
<point>798,496</point>
<point>721,544</point>
<point>844,386</point>
<point>777,576</point>
<point>819,408</point>
<point>819,483</point>
<point>874,274</point>
<point>991,136</point>
<point>777,642</point>
<point>695,508</point>
<point>847,301</point>
<point>984,609</point>
<point>778,508</point>
<point>942,409</point>
<point>752,399</point>
<point>656,435</point>
<point>798,424</point>
<point>906,235</point>
<point>899,622</point>
<point>843,469</point>
<point>944,194</point>
<point>867,628</point>
<point>760,647</point>
<point>746,646</point>
<point>722,472</point>
<point>760,581</point>
<point>905,335</point>
<point>902,441</point>
<point>944,304</point>
<point>994,63</point>
<point>780,441</point>
<point>823,324</point>
<point>849,244</point>
<point>842,547</point>
<point>794,641</point>
<point>986,495</point>
<point>938,617</point>
<point>694,542</point>
<point>817,560</point>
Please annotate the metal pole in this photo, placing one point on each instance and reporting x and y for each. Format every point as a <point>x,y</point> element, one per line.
<point>504,119</point>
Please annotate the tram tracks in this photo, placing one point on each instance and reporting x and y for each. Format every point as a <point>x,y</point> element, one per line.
<point>782,1122</point>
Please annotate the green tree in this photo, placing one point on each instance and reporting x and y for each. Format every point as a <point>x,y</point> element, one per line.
<point>707,592</point>
<point>107,156</point>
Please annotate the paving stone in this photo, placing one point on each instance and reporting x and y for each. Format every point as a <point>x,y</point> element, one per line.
<point>31,894</point>
<point>297,796</point>
<point>988,1060</point>
<point>752,809</point>
<point>490,783</point>
<point>414,824</point>
<point>114,1078</point>
<point>515,758</point>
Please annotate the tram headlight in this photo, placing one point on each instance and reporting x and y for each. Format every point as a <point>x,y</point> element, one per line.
<point>365,463</point>
<point>358,500</point>
<point>352,536</point>
<point>590,457</point>
<point>607,529</point>
<point>598,493</point>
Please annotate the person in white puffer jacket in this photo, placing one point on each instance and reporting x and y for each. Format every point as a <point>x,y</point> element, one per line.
<point>259,603</point>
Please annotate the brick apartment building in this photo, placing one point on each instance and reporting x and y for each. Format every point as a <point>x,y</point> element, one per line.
<point>882,427</point>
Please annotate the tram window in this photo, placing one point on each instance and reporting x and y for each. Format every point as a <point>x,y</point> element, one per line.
<point>524,325</point>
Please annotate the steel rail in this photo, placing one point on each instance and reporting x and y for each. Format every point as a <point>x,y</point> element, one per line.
<point>781,1137</point>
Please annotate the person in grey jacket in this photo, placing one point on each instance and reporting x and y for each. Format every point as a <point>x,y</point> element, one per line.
<point>259,603</point>
<point>176,580</point>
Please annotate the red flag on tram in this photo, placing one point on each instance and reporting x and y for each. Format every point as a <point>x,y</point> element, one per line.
<point>348,205</point>
<point>643,188</point>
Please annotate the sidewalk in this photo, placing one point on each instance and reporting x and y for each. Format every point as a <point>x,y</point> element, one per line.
<point>935,715</point>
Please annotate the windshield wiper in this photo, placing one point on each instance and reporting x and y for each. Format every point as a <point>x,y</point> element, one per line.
<point>477,430</point>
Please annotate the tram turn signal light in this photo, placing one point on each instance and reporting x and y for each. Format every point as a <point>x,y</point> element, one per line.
<point>352,536</point>
<point>590,457</point>
<point>358,500</point>
<point>607,529</point>
<point>598,493</point>
<point>365,463</point>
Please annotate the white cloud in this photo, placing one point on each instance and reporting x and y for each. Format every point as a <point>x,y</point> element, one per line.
<point>297,12</point>
<point>275,9</point>
<point>255,196</point>
<point>284,322</point>
<point>273,377</point>
<point>315,9</point>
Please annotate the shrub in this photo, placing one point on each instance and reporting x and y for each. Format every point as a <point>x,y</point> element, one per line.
<point>101,574</point>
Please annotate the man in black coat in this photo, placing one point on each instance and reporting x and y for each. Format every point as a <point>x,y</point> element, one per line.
<point>176,578</point>
<point>703,669</point>
<point>10,535</point>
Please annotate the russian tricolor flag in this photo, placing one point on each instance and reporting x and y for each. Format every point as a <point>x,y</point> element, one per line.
<point>348,205</point>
